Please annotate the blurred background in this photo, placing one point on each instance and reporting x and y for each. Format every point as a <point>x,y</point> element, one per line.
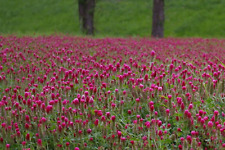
<point>115,18</point>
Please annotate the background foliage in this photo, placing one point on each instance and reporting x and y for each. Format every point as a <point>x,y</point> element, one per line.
<point>201,18</point>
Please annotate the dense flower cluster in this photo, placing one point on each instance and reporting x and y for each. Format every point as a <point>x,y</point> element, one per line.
<point>113,93</point>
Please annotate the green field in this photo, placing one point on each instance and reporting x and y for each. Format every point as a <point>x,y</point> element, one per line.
<point>184,18</point>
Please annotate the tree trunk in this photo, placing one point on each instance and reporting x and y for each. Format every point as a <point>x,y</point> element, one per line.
<point>86,15</point>
<point>158,19</point>
<point>81,5</point>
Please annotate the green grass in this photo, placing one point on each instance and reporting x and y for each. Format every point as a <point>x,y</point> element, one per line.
<point>184,18</point>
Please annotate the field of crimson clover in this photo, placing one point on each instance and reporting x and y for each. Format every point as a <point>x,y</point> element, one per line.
<point>62,92</point>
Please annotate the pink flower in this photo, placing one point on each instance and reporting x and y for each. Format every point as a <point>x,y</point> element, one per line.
<point>132,142</point>
<point>39,142</point>
<point>119,133</point>
<point>27,136</point>
<point>223,145</point>
<point>190,106</point>
<point>96,122</point>
<point>159,123</point>
<point>160,133</point>
<point>216,113</point>
<point>108,114</point>
<point>3,125</point>
<point>86,93</point>
<point>129,112</point>
<point>138,116</point>
<point>89,131</point>
<point>124,92</point>
<point>182,139</point>
<point>152,108</point>
<point>147,124</point>
<point>49,108</point>
<point>184,88</point>
<point>189,139</point>
<point>167,111</point>
<point>152,53</point>
<point>113,105</point>
<point>137,99</point>
<point>144,138</point>
<point>123,139</point>
<point>159,88</point>
<point>7,146</point>
<point>193,133</point>
<point>210,124</point>
<point>24,143</point>
<point>113,118</point>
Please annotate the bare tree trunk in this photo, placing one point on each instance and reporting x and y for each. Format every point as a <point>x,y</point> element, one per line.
<point>90,17</point>
<point>158,19</point>
<point>86,15</point>
<point>82,5</point>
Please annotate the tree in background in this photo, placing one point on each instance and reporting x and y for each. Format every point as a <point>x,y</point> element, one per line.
<point>158,19</point>
<point>86,16</point>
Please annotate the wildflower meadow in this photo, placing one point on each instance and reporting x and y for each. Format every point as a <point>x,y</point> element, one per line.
<point>81,93</point>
